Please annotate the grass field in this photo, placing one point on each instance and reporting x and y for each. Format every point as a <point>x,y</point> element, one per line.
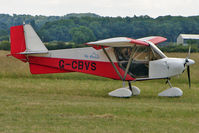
<point>77,102</point>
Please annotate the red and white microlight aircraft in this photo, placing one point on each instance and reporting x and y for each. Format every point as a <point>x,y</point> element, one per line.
<point>119,58</point>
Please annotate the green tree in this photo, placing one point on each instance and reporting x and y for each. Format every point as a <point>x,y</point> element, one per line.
<point>4,45</point>
<point>82,34</point>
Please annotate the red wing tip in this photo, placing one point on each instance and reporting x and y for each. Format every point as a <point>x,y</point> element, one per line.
<point>139,42</point>
<point>158,39</point>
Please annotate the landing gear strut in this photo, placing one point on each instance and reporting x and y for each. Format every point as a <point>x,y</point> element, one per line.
<point>124,91</point>
<point>135,90</point>
<point>130,87</point>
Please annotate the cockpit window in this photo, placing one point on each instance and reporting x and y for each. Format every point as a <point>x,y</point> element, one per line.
<point>141,55</point>
<point>154,55</point>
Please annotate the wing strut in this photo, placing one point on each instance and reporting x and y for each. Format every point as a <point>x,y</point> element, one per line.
<point>112,63</point>
<point>129,62</point>
<point>128,65</point>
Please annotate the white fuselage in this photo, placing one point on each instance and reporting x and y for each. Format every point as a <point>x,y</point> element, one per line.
<point>167,67</point>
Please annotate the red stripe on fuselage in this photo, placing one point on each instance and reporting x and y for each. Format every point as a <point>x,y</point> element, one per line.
<point>39,69</point>
<point>104,69</point>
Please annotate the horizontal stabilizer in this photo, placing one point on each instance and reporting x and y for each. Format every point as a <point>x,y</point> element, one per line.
<point>34,52</point>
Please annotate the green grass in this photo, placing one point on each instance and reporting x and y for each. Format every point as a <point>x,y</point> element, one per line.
<point>77,102</point>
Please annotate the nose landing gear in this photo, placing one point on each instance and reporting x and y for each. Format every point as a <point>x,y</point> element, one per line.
<point>171,92</point>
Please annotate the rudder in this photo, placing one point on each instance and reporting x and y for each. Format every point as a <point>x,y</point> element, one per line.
<point>18,42</point>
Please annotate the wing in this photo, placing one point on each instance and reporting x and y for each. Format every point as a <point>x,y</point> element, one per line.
<point>126,42</point>
<point>153,39</point>
<point>117,42</point>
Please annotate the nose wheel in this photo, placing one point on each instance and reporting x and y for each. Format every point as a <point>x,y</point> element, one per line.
<point>171,92</point>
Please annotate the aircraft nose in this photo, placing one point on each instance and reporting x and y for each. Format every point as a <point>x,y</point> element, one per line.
<point>190,62</point>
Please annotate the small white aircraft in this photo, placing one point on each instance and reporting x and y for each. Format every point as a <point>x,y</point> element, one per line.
<point>119,58</point>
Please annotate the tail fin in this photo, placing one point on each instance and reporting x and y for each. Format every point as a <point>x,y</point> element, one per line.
<point>18,44</point>
<point>24,41</point>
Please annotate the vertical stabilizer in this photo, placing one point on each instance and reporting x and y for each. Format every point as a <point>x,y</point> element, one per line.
<point>24,41</point>
<point>33,42</point>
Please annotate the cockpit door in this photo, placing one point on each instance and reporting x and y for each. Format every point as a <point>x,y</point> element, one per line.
<point>139,58</point>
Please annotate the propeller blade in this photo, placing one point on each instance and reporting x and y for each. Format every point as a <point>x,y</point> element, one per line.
<point>188,55</point>
<point>189,78</point>
<point>189,52</point>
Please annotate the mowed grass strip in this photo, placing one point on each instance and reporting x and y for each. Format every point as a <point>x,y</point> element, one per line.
<point>76,102</point>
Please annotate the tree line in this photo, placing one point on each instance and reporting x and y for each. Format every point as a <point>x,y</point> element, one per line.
<point>84,29</point>
<point>53,45</point>
<point>81,28</point>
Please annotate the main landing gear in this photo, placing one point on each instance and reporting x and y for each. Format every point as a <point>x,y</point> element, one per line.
<point>125,91</point>
<point>129,91</point>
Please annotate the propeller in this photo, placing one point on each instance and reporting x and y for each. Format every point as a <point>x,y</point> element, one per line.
<point>188,55</point>
<point>189,78</point>
<point>187,63</point>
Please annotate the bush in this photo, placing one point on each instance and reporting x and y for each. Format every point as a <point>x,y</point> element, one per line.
<point>4,45</point>
<point>179,48</point>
